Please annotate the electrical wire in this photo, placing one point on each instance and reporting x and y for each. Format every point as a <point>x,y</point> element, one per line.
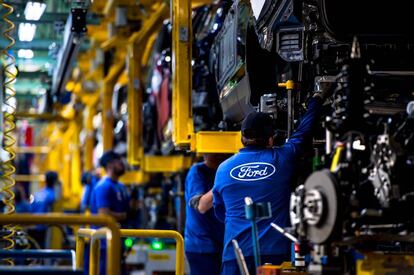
<point>9,127</point>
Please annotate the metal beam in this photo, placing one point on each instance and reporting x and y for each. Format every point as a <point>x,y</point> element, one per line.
<point>216,142</point>
<point>37,45</point>
<point>166,164</point>
<point>181,73</point>
<point>136,48</point>
<point>48,17</point>
<point>44,116</point>
<point>33,45</point>
<point>33,75</point>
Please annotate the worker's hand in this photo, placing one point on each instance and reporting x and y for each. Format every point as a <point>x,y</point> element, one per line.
<point>327,90</point>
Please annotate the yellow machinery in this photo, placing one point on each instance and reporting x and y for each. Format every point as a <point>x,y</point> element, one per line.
<point>183,133</point>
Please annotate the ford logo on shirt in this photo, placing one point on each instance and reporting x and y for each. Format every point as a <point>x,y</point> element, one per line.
<point>252,171</point>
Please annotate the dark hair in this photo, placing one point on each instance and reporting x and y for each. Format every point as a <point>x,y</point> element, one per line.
<point>108,157</point>
<point>86,178</point>
<point>51,178</point>
<point>258,142</point>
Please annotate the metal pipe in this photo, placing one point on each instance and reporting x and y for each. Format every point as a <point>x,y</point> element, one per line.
<point>291,113</point>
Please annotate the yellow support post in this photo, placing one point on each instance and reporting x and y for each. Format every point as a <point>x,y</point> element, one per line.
<point>183,133</point>
<point>136,49</point>
<point>170,234</point>
<point>181,73</point>
<point>80,251</point>
<point>134,102</point>
<point>89,140</point>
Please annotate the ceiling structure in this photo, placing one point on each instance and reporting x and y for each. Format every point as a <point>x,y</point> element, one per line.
<point>35,70</point>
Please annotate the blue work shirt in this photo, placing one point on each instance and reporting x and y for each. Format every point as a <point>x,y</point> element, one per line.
<point>43,201</point>
<point>87,194</point>
<point>265,175</point>
<point>203,232</point>
<point>109,194</point>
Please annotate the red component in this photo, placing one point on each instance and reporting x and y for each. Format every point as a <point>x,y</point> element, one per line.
<point>163,103</point>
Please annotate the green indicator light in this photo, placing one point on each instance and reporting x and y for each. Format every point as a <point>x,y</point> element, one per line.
<point>157,245</point>
<point>129,243</point>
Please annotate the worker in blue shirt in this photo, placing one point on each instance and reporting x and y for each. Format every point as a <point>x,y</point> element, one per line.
<point>203,232</point>
<point>110,197</point>
<point>43,201</point>
<point>88,180</point>
<point>264,174</point>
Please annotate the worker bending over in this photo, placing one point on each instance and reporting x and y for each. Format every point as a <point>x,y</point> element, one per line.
<point>203,232</point>
<point>265,174</point>
<point>109,196</point>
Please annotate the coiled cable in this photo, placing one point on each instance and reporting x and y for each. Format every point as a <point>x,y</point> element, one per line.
<point>9,129</point>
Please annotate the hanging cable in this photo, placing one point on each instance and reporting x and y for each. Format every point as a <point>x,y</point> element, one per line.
<point>9,127</point>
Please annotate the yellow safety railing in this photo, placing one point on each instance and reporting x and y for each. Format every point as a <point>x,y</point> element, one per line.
<point>95,235</point>
<point>112,233</point>
<point>94,254</point>
<point>168,234</point>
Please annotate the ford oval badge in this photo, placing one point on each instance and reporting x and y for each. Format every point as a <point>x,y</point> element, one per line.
<point>252,171</point>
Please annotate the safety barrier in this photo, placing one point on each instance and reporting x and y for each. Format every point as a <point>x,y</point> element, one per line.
<point>112,233</point>
<point>96,235</point>
<point>94,253</point>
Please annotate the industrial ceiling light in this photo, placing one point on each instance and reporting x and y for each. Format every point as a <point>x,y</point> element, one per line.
<point>26,54</point>
<point>26,31</point>
<point>34,10</point>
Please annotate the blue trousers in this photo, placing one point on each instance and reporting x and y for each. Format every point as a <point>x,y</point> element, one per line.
<point>232,268</point>
<point>102,261</point>
<point>204,263</point>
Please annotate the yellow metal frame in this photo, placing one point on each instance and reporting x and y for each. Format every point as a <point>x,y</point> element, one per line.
<point>114,238</point>
<point>183,133</point>
<point>214,142</point>
<point>96,235</point>
<point>169,234</point>
<point>33,150</point>
<point>181,73</point>
<point>156,164</point>
<point>167,164</point>
<point>376,264</point>
<point>136,53</point>
<point>89,139</point>
<point>135,177</point>
<point>30,178</point>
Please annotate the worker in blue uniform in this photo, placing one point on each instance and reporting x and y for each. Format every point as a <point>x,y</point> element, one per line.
<point>203,232</point>
<point>110,197</point>
<point>88,180</point>
<point>263,173</point>
<point>43,201</point>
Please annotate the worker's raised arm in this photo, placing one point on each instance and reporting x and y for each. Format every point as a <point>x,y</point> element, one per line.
<point>295,144</point>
